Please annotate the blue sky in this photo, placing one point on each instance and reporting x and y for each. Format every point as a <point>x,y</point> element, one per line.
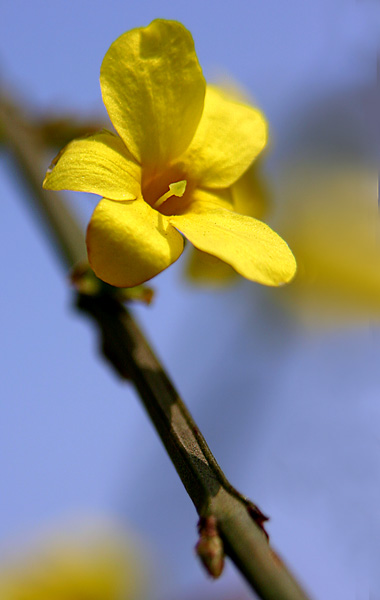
<point>292,415</point>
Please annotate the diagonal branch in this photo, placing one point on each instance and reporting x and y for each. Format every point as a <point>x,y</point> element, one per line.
<point>227,517</point>
<point>238,520</point>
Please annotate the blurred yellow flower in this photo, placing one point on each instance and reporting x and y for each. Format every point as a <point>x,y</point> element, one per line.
<point>71,568</point>
<point>173,168</point>
<point>331,216</point>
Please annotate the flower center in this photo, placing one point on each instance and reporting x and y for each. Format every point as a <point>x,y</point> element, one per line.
<point>177,188</point>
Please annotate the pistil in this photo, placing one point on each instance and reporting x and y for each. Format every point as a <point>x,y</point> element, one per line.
<point>177,188</point>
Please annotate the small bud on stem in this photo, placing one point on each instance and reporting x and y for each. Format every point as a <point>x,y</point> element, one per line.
<point>210,546</point>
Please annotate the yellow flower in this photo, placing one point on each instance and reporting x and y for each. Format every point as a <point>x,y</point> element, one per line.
<point>100,567</point>
<point>331,217</point>
<point>171,170</point>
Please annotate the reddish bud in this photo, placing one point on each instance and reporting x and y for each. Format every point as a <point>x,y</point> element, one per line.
<point>210,546</point>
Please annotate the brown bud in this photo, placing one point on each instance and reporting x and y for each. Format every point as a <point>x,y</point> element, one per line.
<point>210,546</point>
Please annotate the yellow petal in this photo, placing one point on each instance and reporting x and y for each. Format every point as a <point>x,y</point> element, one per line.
<point>250,193</point>
<point>248,245</point>
<point>205,269</point>
<point>129,243</point>
<point>230,135</point>
<point>153,89</point>
<point>99,164</point>
<point>210,199</point>
<point>249,196</point>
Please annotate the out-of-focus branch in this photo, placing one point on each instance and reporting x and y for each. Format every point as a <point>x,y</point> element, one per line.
<point>28,152</point>
<point>229,516</point>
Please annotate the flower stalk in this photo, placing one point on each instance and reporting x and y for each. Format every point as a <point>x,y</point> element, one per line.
<point>235,519</point>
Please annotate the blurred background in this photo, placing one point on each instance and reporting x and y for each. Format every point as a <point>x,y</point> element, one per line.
<point>284,383</point>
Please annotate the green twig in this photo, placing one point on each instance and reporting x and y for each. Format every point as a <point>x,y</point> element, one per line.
<point>227,517</point>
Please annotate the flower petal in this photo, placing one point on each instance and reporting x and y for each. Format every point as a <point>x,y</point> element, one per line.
<point>129,243</point>
<point>209,199</point>
<point>250,193</point>
<point>248,245</point>
<point>100,164</point>
<point>230,135</point>
<point>205,269</point>
<point>153,89</point>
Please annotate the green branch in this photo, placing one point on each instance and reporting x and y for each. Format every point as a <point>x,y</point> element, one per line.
<point>229,522</point>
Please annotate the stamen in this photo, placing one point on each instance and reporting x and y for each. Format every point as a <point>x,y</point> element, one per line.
<point>175,189</point>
